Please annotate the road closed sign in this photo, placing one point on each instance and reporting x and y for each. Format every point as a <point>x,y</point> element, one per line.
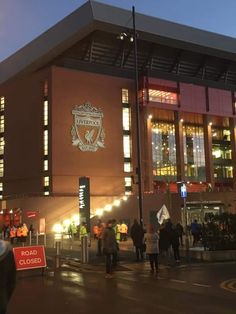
<point>29,257</point>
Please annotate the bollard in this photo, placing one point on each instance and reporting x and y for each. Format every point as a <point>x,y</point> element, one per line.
<point>30,238</point>
<point>45,240</point>
<point>58,248</point>
<point>37,238</point>
<point>84,250</point>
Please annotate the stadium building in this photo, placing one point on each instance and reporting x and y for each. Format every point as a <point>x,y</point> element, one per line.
<point>69,110</point>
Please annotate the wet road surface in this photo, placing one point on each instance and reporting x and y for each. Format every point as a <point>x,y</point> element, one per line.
<point>202,288</point>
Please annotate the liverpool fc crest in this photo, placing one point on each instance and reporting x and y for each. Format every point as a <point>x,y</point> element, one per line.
<point>87,132</point>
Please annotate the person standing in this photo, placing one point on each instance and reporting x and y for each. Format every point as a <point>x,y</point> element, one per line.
<point>83,230</point>
<point>195,230</point>
<point>100,229</point>
<point>7,275</point>
<point>137,234</point>
<point>151,239</point>
<point>174,239</point>
<point>109,248</point>
<point>123,231</point>
<point>180,231</point>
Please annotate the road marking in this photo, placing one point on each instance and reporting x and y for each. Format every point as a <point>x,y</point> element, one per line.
<point>201,285</point>
<point>229,285</point>
<point>179,281</point>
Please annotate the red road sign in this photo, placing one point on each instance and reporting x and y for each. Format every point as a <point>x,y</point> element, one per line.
<point>29,257</point>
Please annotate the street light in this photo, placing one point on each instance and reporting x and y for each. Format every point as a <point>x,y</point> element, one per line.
<point>139,169</point>
<point>133,38</point>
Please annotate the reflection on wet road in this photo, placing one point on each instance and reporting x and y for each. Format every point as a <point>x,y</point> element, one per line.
<point>177,290</point>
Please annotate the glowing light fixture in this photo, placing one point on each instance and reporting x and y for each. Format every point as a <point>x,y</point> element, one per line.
<point>57,228</point>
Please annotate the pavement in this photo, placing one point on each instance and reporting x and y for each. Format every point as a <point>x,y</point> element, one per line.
<point>71,255</point>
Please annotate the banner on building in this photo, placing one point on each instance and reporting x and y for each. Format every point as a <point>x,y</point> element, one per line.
<point>84,201</point>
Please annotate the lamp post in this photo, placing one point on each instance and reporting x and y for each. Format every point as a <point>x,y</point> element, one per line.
<point>139,169</point>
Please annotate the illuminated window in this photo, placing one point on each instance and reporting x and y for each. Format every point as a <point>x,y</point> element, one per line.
<point>46,181</point>
<point>128,184</point>
<point>2,123</point>
<point>2,103</point>
<point>164,151</point>
<point>127,146</point>
<point>194,153</point>
<point>126,119</point>
<point>2,144</point>
<point>45,115</point>
<point>163,96</point>
<point>1,167</point>
<point>125,96</point>
<point>127,167</point>
<point>45,165</point>
<point>45,142</point>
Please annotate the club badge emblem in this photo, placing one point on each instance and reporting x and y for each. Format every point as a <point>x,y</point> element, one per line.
<point>87,132</point>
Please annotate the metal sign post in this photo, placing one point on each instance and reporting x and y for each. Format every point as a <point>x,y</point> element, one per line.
<point>183,193</point>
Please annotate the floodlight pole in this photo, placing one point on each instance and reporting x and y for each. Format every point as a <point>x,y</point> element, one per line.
<point>139,169</point>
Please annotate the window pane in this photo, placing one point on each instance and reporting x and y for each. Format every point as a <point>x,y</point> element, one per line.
<point>164,151</point>
<point>194,153</point>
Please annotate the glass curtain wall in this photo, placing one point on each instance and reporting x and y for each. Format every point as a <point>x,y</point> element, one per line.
<point>164,151</point>
<point>222,153</point>
<point>194,153</point>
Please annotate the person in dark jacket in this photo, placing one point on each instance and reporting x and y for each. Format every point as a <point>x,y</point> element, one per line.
<point>7,275</point>
<point>110,248</point>
<point>137,235</point>
<point>174,239</point>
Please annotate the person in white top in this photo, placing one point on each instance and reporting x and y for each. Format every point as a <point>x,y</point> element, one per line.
<point>151,239</point>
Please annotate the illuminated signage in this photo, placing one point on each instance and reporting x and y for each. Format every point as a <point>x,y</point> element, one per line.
<point>84,201</point>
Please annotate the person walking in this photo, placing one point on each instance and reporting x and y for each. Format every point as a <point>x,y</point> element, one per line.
<point>109,248</point>
<point>151,239</point>
<point>174,239</point>
<point>7,275</point>
<point>137,234</point>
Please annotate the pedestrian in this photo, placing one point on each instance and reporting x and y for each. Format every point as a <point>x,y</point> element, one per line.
<point>123,231</point>
<point>13,234</point>
<point>164,242</point>
<point>100,230</point>
<point>137,234</point>
<point>174,239</point>
<point>109,248</point>
<point>151,240</point>
<point>180,231</point>
<point>195,230</point>
<point>24,232</point>
<point>7,275</point>
<point>83,230</point>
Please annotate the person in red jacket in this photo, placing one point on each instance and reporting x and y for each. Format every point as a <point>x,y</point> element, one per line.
<point>7,275</point>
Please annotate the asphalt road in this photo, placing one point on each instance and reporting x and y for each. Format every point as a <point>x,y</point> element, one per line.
<point>197,288</point>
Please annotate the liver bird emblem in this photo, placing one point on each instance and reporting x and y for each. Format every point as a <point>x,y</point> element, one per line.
<point>89,136</point>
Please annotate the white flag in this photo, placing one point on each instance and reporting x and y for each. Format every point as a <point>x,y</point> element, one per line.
<point>163,214</point>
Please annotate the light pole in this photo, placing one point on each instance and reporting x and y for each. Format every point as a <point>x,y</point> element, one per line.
<point>139,169</point>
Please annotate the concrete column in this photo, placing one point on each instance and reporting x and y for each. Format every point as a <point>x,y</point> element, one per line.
<point>179,146</point>
<point>208,150</point>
